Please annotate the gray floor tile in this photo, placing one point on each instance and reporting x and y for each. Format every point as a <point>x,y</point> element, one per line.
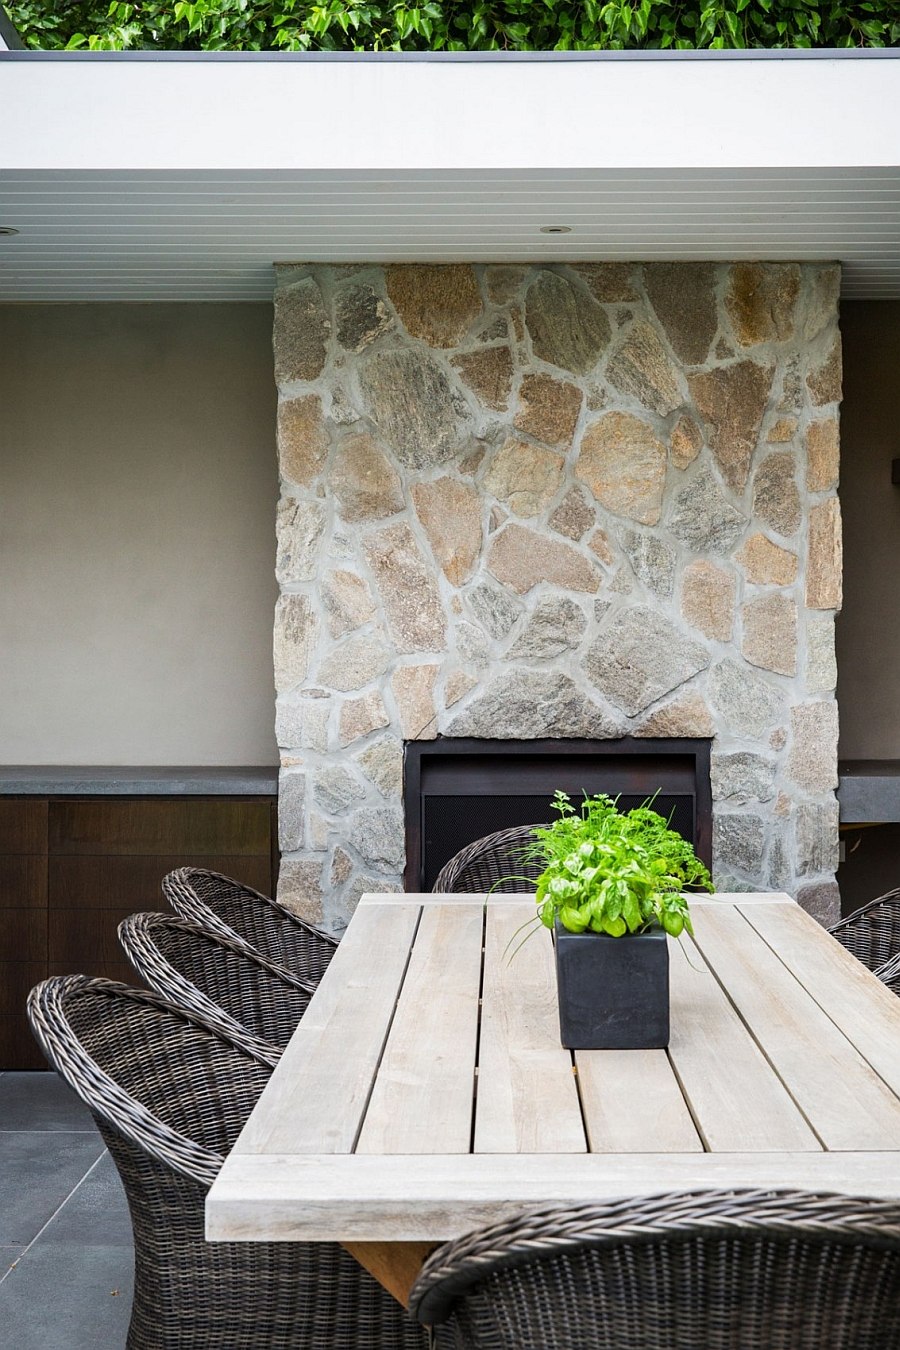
<point>40,1101</point>
<point>97,1211</point>
<point>68,1296</point>
<point>38,1171</point>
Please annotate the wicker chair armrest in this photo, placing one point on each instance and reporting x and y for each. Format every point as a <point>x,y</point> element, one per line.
<point>456,1266</point>
<point>890,900</point>
<point>179,892</point>
<point>103,1095</point>
<point>135,936</point>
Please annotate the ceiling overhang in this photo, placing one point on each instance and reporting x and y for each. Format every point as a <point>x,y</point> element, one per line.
<point>187,177</point>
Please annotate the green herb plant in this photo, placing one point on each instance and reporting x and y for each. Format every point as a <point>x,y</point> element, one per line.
<point>615,872</point>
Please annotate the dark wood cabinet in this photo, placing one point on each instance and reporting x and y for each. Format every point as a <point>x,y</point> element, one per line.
<point>72,868</point>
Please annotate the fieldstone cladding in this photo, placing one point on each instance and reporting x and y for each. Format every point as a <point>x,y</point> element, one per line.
<point>557,500</point>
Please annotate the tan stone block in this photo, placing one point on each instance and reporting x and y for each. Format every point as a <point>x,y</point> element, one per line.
<point>708,598</point>
<point>812,761</point>
<point>302,439</point>
<point>782,431</point>
<point>413,689</point>
<point>770,633</point>
<point>599,544</point>
<point>450,513</point>
<point>573,517</point>
<point>408,589</point>
<point>765,563</point>
<point>341,867</point>
<point>294,639</point>
<point>685,716</point>
<point>778,738</point>
<point>488,374</point>
<point>355,662</point>
<point>471,463</point>
<point>610,283</point>
<point>365,483</point>
<point>686,441</point>
<point>521,558</point>
<point>301,332</point>
<point>438,303</point>
<point>641,368</point>
<point>567,327</point>
<point>733,400</point>
<point>822,900</point>
<point>783,803</point>
<point>823,455</point>
<point>347,602</point>
<point>382,762</point>
<point>300,888</point>
<point>299,526</point>
<point>503,283</point>
<point>624,464</point>
<point>776,497</point>
<point>760,301</point>
<point>684,297</point>
<point>824,561</point>
<point>524,476</point>
<point>361,715</point>
<point>548,409</point>
<point>459,683</point>
<point>824,383</point>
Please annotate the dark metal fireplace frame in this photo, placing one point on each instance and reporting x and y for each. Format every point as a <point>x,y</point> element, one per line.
<point>628,779</point>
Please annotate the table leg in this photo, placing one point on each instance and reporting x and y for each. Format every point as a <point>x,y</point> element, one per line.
<point>395,1265</point>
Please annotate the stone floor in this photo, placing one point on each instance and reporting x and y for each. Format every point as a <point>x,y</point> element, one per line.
<point>65,1234</point>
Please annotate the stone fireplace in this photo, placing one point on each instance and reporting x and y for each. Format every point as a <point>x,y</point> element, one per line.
<point>532,502</point>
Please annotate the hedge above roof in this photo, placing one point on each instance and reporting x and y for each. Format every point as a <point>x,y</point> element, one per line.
<point>456,25</point>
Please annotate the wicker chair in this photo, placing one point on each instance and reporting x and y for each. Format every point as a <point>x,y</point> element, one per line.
<point>719,1270</point>
<point>240,993</point>
<point>872,934</point>
<point>492,863</point>
<point>244,915</point>
<point>170,1097</point>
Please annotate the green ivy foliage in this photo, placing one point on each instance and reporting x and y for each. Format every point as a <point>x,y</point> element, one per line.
<point>455,25</point>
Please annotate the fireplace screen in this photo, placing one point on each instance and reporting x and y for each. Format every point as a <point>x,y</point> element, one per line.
<point>456,791</point>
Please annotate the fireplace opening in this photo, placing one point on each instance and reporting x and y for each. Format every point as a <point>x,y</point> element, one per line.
<point>458,790</point>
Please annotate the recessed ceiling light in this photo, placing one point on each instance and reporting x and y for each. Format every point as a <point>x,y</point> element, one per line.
<point>7,229</point>
<point>556,229</point>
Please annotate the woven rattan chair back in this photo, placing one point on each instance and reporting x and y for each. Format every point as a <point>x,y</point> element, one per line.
<point>170,1097</point>
<point>244,915</point>
<point>243,995</point>
<point>872,934</point>
<point>495,862</point>
<point>717,1270</point>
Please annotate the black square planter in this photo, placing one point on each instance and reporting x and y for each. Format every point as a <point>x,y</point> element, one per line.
<point>613,992</point>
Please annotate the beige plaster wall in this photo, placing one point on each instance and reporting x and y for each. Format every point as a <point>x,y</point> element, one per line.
<point>137,501</point>
<point>868,629</point>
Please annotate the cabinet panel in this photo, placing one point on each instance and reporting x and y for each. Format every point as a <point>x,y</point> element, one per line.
<point>23,881</point>
<point>23,935</point>
<point>223,826</point>
<point>96,882</point>
<point>23,825</point>
<point>18,1048</point>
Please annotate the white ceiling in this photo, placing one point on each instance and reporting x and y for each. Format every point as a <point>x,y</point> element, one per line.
<point>151,179</point>
<point>213,236</point>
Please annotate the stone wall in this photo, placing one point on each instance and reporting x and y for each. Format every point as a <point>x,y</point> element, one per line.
<point>586,500</point>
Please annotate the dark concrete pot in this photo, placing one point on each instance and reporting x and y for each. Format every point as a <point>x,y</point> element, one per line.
<point>613,992</point>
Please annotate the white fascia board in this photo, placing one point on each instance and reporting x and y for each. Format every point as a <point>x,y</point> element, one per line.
<point>360,116</point>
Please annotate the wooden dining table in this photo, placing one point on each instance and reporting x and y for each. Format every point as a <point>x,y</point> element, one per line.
<point>426,1093</point>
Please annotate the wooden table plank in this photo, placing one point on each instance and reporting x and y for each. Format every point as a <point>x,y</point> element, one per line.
<point>315,1099</point>
<point>738,1102</point>
<point>423,1095</point>
<point>847,1104</point>
<point>867,1012</point>
<point>632,1103</point>
<point>431,1199</point>
<point>527,1099</point>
